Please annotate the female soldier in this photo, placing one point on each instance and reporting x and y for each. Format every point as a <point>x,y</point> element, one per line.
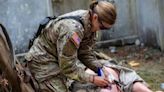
<point>65,41</point>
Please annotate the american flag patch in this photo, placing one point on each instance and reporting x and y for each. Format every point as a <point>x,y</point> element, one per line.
<point>75,39</point>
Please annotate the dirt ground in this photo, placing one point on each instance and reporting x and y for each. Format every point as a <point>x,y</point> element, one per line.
<point>148,62</point>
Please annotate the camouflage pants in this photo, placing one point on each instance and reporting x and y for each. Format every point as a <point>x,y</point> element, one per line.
<point>83,87</point>
<point>55,84</point>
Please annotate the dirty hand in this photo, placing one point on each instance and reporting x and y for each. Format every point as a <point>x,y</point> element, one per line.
<point>100,81</point>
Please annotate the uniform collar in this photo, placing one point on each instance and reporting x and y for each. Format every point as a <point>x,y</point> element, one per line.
<point>87,22</point>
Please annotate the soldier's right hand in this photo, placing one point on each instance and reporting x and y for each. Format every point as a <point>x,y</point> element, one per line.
<point>99,81</point>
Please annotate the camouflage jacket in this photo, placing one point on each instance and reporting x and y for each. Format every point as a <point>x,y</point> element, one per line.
<point>60,47</point>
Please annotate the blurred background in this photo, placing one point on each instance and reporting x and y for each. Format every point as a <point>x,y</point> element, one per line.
<point>137,19</point>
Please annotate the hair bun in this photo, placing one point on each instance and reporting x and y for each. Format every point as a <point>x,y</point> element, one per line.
<point>93,4</point>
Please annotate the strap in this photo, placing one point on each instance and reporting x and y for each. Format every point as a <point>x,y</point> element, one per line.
<point>46,21</point>
<point>77,18</point>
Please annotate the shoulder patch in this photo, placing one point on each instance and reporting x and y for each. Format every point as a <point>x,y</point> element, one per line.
<point>76,39</point>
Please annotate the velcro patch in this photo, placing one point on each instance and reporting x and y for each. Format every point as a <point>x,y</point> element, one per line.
<point>76,39</point>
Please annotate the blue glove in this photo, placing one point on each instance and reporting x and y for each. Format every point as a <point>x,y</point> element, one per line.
<point>100,72</point>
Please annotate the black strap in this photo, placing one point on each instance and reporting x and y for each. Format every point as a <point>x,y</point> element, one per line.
<point>46,21</point>
<point>77,18</point>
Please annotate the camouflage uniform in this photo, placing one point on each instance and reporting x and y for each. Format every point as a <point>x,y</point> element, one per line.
<point>55,54</point>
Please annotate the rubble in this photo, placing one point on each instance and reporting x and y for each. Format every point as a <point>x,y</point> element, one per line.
<point>133,63</point>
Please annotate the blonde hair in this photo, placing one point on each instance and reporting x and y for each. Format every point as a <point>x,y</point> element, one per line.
<point>106,11</point>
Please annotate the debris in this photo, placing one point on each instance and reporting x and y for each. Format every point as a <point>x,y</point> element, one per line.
<point>129,56</point>
<point>112,49</point>
<point>137,42</point>
<point>148,56</point>
<point>142,45</point>
<point>134,63</point>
